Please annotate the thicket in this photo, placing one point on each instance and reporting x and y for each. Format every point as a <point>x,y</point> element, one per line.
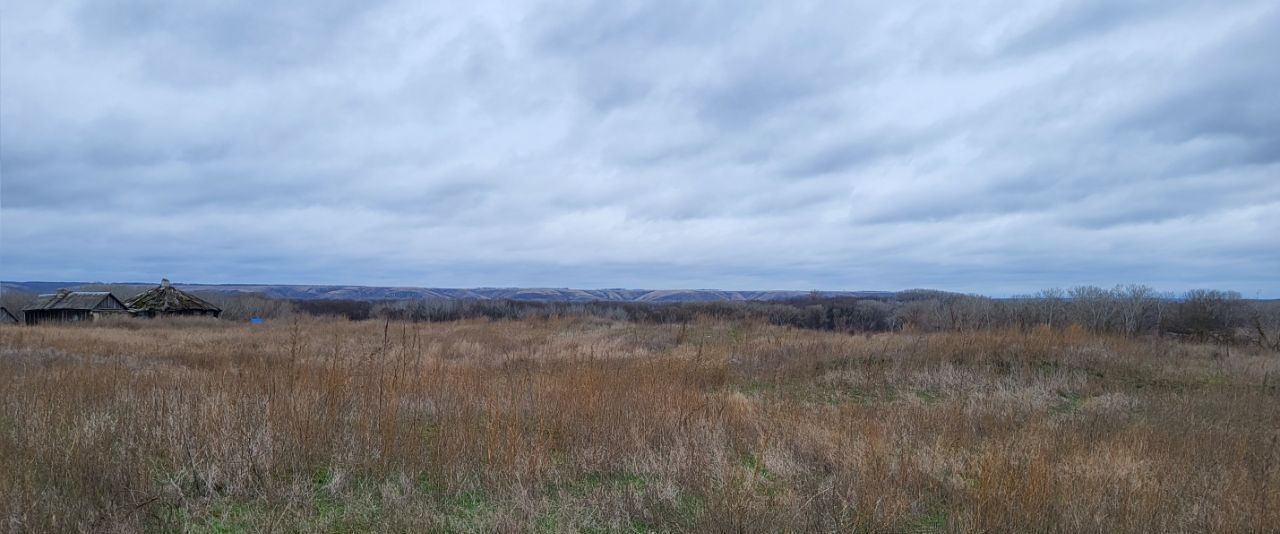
<point>1198,315</point>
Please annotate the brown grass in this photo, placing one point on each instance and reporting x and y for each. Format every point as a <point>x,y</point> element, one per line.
<point>572,425</point>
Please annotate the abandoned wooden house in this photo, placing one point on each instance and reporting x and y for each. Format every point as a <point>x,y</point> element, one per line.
<point>70,306</point>
<point>6,317</point>
<point>166,300</point>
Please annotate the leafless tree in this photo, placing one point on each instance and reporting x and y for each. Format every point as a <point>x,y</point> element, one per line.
<point>241,307</point>
<point>1264,322</point>
<point>1052,304</point>
<point>1094,307</point>
<point>1135,303</point>
<point>1207,314</point>
<point>14,301</point>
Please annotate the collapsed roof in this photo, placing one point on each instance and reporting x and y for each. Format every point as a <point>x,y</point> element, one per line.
<point>168,299</point>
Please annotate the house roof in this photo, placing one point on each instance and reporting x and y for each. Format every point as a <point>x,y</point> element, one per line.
<point>71,300</point>
<point>166,298</point>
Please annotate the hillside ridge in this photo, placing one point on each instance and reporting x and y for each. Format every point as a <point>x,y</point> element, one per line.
<point>357,292</point>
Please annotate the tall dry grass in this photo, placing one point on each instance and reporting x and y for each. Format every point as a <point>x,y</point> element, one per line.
<point>581,424</point>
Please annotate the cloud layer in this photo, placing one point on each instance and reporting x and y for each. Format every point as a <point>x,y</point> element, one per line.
<point>993,147</point>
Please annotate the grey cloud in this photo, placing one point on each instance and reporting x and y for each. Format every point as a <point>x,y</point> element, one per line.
<point>997,148</point>
<point>738,102</point>
<point>205,42</point>
<point>1062,22</point>
<point>579,28</point>
<point>1225,93</point>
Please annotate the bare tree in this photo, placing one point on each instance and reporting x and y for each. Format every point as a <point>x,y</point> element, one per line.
<point>241,307</point>
<point>1135,304</point>
<point>1264,321</point>
<point>1207,314</point>
<point>15,301</point>
<point>1053,304</point>
<point>1094,307</point>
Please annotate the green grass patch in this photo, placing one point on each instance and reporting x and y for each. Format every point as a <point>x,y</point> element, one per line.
<point>321,477</point>
<point>752,388</point>
<point>8,428</point>
<point>756,466</point>
<point>358,508</point>
<point>467,511</point>
<point>609,480</point>
<point>468,502</point>
<point>1068,402</point>
<point>850,362</point>
<point>931,394</point>
<point>548,522</point>
<point>934,522</point>
<point>690,507</point>
<point>762,481</point>
<point>818,394</point>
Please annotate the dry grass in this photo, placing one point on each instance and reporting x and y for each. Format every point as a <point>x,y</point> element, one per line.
<point>573,425</point>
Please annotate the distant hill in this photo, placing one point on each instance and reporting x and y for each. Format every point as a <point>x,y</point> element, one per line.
<point>306,292</point>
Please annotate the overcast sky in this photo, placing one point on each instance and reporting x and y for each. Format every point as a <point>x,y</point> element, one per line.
<point>990,146</point>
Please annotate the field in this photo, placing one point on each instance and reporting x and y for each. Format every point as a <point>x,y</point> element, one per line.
<point>310,425</point>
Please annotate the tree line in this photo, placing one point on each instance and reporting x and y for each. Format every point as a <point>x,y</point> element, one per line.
<point>1129,310</point>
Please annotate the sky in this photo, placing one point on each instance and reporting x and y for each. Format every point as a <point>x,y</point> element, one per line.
<point>994,146</point>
